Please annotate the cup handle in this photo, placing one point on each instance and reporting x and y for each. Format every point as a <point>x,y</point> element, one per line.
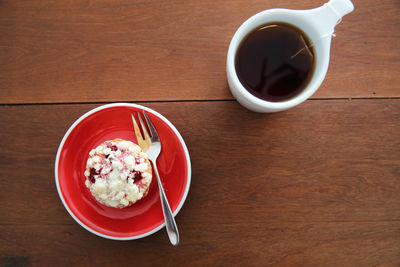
<point>327,16</point>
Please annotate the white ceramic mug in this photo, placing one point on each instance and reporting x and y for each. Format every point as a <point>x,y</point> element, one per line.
<point>318,24</point>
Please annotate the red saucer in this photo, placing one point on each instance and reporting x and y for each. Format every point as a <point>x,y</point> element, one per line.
<point>145,216</point>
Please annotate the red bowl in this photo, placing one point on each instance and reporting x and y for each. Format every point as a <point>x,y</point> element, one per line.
<point>143,218</point>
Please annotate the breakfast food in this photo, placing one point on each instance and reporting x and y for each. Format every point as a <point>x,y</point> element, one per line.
<point>118,173</point>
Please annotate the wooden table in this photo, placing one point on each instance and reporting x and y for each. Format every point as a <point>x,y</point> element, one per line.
<point>317,185</point>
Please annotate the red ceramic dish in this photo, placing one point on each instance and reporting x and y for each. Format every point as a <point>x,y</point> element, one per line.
<point>145,216</point>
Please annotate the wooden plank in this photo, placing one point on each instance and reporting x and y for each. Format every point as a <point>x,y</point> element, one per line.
<point>80,51</point>
<point>204,244</point>
<point>313,186</point>
<point>333,161</point>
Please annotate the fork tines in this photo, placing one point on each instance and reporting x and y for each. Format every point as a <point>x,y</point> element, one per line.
<point>142,127</point>
<point>142,135</point>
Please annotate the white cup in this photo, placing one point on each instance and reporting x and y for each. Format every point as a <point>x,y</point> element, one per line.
<point>318,24</point>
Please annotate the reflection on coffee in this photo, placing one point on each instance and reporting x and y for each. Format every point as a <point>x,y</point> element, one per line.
<point>275,62</point>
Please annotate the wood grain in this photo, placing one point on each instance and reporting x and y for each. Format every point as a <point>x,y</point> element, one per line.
<point>101,51</point>
<point>315,185</point>
<point>237,244</point>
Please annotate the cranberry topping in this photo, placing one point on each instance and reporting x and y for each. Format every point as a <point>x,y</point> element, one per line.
<point>137,176</point>
<point>93,172</point>
<point>112,147</point>
<point>137,160</point>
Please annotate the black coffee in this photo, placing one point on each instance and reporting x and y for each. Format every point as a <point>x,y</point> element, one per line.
<point>275,62</point>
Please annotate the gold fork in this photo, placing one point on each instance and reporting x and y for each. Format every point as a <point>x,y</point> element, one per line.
<point>151,144</point>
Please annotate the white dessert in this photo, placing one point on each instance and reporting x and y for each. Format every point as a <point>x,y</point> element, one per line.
<point>118,173</point>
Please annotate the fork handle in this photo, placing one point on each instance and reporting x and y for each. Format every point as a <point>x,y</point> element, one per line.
<point>170,223</point>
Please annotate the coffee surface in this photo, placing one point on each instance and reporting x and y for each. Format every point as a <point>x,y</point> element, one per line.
<point>275,62</point>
